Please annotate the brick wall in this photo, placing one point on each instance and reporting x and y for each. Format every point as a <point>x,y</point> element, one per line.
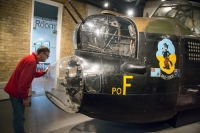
<point>15,23</point>
<point>15,28</point>
<point>68,26</point>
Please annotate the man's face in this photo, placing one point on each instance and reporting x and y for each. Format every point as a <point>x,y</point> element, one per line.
<point>44,56</point>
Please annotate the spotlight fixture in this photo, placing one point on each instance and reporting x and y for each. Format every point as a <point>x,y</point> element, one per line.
<point>106,4</point>
<point>130,12</point>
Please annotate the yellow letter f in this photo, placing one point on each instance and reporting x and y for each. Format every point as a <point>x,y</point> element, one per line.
<point>125,84</point>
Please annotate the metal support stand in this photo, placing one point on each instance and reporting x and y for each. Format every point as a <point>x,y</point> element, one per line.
<point>185,117</point>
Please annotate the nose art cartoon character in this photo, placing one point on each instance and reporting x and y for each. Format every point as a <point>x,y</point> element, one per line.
<point>166,54</point>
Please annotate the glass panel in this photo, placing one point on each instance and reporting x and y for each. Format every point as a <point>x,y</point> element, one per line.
<point>185,16</point>
<point>163,11</point>
<point>183,13</point>
<point>65,89</point>
<point>196,16</point>
<point>109,34</point>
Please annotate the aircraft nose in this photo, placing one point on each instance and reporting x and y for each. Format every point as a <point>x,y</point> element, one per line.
<point>64,87</point>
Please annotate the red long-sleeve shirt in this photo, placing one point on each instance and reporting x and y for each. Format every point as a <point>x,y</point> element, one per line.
<point>21,79</point>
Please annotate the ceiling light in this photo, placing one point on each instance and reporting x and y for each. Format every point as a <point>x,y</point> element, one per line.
<point>130,12</point>
<point>106,4</point>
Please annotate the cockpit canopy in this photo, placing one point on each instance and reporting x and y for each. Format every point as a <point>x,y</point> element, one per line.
<point>188,13</point>
<point>106,34</point>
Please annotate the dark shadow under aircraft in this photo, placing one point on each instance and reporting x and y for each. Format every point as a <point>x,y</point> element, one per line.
<point>129,69</point>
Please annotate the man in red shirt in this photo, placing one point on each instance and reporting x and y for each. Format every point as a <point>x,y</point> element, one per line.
<point>20,82</point>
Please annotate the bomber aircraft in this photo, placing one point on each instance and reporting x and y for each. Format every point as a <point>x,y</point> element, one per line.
<point>131,69</point>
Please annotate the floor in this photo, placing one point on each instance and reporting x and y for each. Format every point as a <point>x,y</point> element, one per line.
<point>38,84</point>
<point>44,117</point>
